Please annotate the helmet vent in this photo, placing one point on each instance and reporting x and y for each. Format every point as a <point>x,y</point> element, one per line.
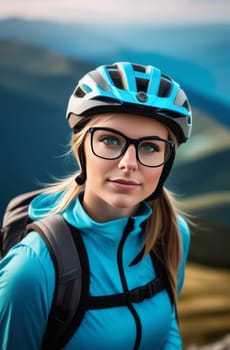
<point>164,88</point>
<point>80,92</point>
<point>142,84</point>
<point>186,105</point>
<point>139,68</point>
<point>117,79</point>
<point>181,100</point>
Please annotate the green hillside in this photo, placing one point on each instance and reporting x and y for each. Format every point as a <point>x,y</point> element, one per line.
<point>35,86</point>
<point>37,73</point>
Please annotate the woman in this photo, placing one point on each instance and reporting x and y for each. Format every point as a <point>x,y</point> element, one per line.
<point>127,121</point>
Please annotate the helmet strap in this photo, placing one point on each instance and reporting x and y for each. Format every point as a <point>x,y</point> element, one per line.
<point>81,178</point>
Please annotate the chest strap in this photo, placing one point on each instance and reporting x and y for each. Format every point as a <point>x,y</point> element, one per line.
<point>136,295</point>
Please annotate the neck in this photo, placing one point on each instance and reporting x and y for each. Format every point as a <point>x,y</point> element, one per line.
<point>101,211</point>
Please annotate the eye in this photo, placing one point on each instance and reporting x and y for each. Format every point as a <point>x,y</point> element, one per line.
<point>149,147</point>
<point>110,140</point>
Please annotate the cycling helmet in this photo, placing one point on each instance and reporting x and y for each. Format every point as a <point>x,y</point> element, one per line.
<point>131,88</point>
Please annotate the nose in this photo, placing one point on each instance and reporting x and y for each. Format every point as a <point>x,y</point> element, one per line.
<point>128,160</point>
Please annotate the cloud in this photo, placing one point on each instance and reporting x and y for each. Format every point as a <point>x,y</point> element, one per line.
<point>152,11</point>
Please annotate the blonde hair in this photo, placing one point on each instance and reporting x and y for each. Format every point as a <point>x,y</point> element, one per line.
<point>162,232</point>
<point>163,236</point>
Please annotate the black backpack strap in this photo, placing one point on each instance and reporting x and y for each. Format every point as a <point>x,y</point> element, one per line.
<point>57,235</point>
<point>160,271</point>
<point>136,295</point>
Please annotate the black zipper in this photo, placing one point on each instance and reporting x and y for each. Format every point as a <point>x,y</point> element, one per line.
<point>129,227</point>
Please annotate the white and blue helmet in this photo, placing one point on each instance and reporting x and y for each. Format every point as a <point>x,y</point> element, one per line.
<point>131,88</point>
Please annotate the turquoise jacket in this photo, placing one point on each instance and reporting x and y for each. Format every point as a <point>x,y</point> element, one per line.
<point>27,281</point>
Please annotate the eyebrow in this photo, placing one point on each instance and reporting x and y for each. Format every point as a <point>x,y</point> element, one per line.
<point>156,137</point>
<point>122,134</point>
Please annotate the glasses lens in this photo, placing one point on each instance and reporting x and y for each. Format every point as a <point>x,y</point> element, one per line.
<point>153,153</point>
<point>107,144</point>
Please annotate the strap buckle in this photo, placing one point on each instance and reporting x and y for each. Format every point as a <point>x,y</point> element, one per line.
<point>137,295</point>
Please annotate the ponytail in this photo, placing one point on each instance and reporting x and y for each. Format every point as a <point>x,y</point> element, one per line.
<point>163,236</point>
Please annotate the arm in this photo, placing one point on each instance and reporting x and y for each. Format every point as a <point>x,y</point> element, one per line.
<point>25,294</point>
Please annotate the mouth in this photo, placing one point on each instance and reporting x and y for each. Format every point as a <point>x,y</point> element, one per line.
<point>125,184</point>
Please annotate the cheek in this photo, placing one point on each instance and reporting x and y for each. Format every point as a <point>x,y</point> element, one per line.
<point>95,167</point>
<point>152,178</point>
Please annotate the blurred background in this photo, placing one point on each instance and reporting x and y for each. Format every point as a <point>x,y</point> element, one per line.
<point>46,46</point>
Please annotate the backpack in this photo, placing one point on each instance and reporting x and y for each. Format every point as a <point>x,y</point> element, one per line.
<point>71,296</point>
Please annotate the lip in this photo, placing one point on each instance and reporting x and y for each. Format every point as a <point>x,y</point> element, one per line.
<point>126,184</point>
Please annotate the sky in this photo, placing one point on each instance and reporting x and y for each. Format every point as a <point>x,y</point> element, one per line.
<point>141,11</point>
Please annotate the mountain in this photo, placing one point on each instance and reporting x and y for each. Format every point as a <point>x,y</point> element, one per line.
<point>34,88</point>
<point>197,55</point>
<point>42,74</point>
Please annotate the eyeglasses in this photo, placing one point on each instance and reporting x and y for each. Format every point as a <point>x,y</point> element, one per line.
<point>151,151</point>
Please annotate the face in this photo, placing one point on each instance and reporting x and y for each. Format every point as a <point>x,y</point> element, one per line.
<point>114,188</point>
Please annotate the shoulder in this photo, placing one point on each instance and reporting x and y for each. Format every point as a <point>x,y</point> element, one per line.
<point>26,288</point>
<point>27,267</point>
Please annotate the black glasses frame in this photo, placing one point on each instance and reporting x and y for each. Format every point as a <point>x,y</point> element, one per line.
<point>130,141</point>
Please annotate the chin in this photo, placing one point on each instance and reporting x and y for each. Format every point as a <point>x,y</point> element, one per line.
<point>124,203</point>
